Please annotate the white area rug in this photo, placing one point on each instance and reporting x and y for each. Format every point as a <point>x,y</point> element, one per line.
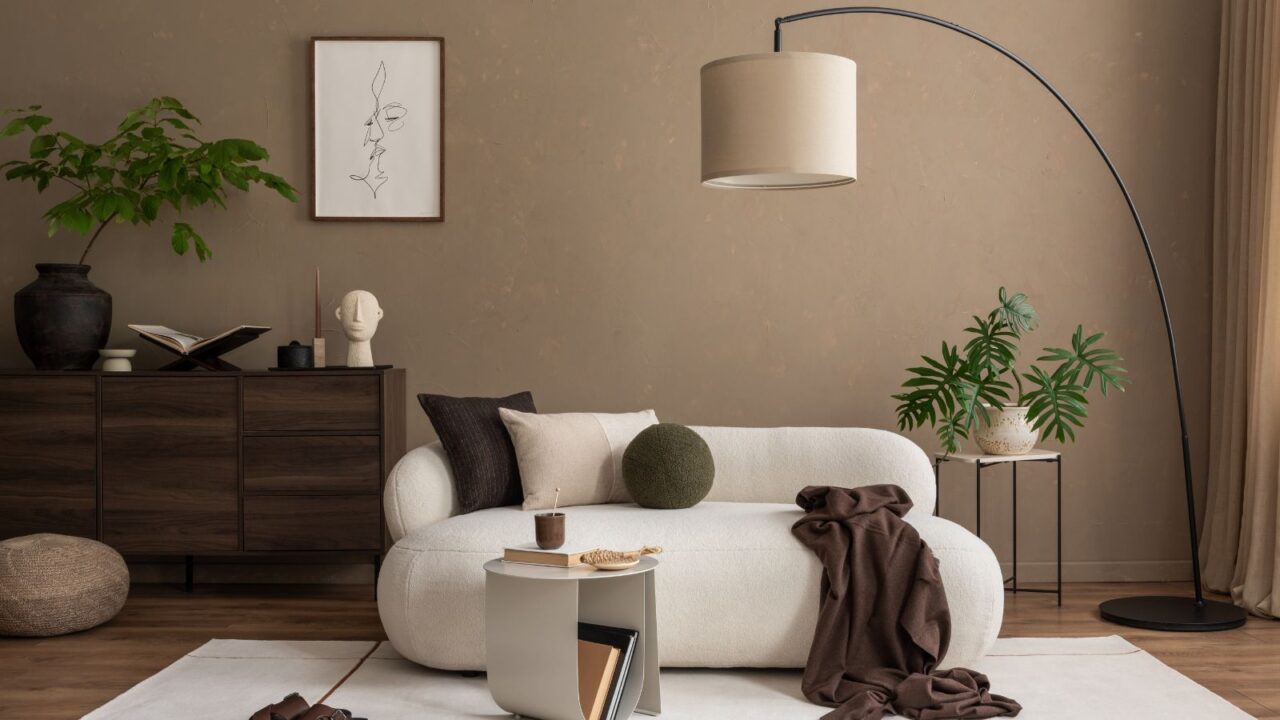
<point>1103,677</point>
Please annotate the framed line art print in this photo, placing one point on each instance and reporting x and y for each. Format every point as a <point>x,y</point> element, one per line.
<point>377,128</point>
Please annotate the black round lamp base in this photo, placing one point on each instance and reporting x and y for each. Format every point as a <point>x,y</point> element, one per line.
<point>1156,612</point>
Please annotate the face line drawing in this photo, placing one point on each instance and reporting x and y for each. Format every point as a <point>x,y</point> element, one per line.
<point>384,119</point>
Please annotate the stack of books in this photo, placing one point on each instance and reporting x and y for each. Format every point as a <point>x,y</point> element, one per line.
<point>604,653</point>
<point>604,658</point>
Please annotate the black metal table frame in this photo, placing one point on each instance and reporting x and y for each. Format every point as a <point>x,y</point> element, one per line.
<point>1011,582</point>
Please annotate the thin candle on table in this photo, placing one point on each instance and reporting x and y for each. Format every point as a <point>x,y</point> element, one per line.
<point>317,342</point>
<point>317,333</point>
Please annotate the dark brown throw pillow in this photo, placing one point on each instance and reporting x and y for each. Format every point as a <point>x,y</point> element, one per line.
<point>485,473</point>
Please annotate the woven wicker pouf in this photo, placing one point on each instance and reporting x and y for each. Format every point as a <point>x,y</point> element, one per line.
<point>57,584</point>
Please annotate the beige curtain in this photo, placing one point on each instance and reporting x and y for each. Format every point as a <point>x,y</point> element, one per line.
<point>1240,544</point>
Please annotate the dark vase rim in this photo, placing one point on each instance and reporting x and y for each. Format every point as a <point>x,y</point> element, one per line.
<point>62,267</point>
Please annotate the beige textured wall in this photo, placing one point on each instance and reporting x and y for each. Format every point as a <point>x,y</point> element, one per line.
<point>582,260</point>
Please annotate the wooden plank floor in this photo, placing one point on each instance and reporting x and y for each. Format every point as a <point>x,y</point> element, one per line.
<point>59,678</point>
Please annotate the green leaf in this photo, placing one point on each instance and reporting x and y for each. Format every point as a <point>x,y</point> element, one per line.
<point>246,149</point>
<point>1056,405</point>
<point>104,207</point>
<point>1102,364</point>
<point>77,219</point>
<point>184,236</point>
<point>236,179</point>
<point>991,350</point>
<point>181,238</point>
<point>202,251</point>
<point>125,208</point>
<point>71,141</point>
<point>130,123</point>
<point>950,430</point>
<point>1017,313</point>
<point>151,207</point>
<point>13,127</point>
<point>936,393</point>
<point>42,146</point>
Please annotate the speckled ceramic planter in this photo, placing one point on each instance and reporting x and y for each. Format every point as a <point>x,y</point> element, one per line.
<point>1008,433</point>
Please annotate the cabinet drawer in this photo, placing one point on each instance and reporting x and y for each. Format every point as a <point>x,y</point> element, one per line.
<point>169,474</point>
<point>305,403</point>
<point>313,465</point>
<point>48,457</point>
<point>312,523</point>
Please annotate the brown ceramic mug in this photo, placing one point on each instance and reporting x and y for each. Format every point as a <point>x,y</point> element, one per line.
<point>549,529</point>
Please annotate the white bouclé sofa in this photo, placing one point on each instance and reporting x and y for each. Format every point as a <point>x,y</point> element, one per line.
<point>734,588</point>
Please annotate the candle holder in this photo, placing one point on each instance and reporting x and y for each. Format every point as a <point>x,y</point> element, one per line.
<point>549,530</point>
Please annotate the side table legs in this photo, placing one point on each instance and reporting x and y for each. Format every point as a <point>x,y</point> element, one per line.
<point>1014,574</point>
<point>1059,484</point>
<point>978,501</point>
<point>1012,581</point>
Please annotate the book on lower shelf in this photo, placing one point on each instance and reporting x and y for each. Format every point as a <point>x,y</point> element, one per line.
<point>596,665</point>
<point>531,554</point>
<point>622,640</point>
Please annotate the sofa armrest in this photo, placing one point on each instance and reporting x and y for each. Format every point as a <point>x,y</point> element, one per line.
<point>419,491</point>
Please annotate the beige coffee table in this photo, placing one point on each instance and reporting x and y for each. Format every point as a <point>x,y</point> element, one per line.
<point>531,634</point>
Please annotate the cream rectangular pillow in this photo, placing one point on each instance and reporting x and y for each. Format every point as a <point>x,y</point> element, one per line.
<point>580,453</point>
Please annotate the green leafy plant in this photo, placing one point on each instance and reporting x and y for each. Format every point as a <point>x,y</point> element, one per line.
<point>952,393</point>
<point>154,158</point>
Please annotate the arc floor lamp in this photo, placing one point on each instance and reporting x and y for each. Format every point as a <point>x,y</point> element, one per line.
<point>788,120</point>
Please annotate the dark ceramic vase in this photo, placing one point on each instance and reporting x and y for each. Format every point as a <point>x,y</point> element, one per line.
<point>63,320</point>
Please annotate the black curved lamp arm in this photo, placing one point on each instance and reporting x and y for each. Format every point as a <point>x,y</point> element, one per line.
<point>1133,210</point>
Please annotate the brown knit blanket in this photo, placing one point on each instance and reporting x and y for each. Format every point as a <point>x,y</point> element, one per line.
<point>883,621</point>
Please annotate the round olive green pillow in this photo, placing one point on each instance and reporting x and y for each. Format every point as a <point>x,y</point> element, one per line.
<point>668,466</point>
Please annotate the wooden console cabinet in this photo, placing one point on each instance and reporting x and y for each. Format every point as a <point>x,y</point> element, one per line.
<point>201,463</point>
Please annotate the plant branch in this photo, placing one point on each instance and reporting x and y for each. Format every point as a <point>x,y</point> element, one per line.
<point>131,175</point>
<point>72,183</point>
<point>102,226</point>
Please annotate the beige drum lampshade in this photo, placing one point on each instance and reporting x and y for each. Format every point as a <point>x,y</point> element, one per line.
<point>779,120</point>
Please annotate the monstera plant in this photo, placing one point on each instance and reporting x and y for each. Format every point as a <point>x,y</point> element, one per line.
<point>154,161</point>
<point>978,388</point>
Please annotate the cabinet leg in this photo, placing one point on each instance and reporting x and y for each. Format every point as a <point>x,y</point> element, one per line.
<point>191,573</point>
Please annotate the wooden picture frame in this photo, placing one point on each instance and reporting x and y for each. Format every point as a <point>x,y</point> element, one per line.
<point>381,88</point>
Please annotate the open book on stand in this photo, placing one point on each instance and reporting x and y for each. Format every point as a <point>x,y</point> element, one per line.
<point>196,351</point>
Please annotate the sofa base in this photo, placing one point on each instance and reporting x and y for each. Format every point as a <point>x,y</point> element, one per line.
<point>734,588</point>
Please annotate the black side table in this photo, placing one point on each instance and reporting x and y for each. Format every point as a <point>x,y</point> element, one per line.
<point>980,461</point>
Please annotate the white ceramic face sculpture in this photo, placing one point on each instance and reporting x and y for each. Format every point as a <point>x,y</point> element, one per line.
<point>359,313</point>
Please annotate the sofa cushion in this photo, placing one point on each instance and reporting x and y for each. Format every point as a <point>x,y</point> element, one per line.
<point>484,465</point>
<point>578,453</point>
<point>668,466</point>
